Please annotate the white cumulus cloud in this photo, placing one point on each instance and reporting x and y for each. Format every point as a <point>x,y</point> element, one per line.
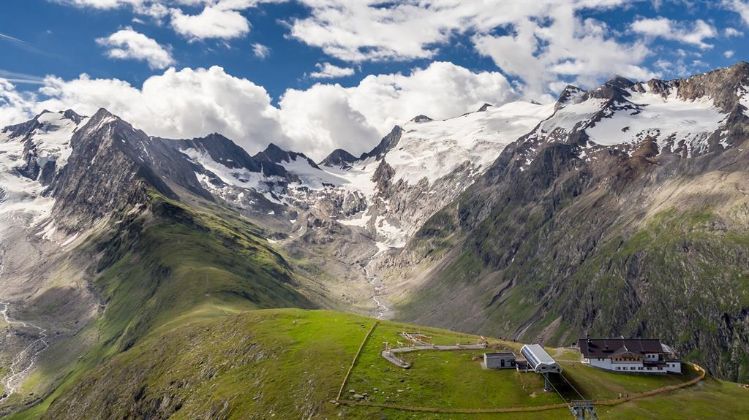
<point>328,116</point>
<point>564,48</point>
<point>212,22</point>
<point>178,104</point>
<point>15,106</point>
<point>330,71</point>
<point>730,32</point>
<point>376,30</point>
<point>194,102</point>
<point>739,6</point>
<point>103,4</point>
<point>260,51</point>
<point>694,33</point>
<point>129,44</point>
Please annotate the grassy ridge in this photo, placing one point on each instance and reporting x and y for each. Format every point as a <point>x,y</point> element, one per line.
<point>183,335</point>
<point>184,259</point>
<point>162,269</point>
<point>283,363</point>
<point>289,363</point>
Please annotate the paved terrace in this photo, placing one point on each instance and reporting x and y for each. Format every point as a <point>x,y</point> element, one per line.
<point>390,354</point>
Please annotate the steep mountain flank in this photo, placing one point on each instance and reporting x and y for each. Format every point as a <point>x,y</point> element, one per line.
<point>624,213</point>
<point>123,241</point>
<point>105,172</point>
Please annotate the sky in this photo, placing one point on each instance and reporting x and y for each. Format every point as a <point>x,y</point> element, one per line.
<point>315,75</point>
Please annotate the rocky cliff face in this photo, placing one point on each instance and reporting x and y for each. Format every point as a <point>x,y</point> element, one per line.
<point>607,219</point>
<point>105,172</point>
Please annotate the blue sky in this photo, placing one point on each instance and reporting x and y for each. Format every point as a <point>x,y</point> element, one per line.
<point>342,69</point>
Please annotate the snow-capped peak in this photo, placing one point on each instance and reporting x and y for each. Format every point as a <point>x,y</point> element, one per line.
<point>31,155</point>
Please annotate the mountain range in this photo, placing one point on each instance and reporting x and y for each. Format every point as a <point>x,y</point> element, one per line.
<point>621,210</point>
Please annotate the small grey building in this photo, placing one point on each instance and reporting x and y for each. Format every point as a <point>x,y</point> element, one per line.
<point>539,360</point>
<point>499,360</point>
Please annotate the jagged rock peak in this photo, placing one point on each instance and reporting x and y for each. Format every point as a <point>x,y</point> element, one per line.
<point>421,119</point>
<point>386,144</point>
<point>484,107</point>
<point>725,86</point>
<point>104,118</point>
<point>620,82</point>
<point>273,150</point>
<point>738,70</point>
<point>276,154</point>
<point>216,137</point>
<point>339,158</point>
<point>212,142</point>
<point>26,127</point>
<point>21,129</point>
<point>570,95</point>
<point>67,114</point>
<point>616,90</point>
<point>73,116</point>
<point>102,113</point>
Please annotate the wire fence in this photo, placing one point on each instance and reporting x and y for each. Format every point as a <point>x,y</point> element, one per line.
<point>356,357</point>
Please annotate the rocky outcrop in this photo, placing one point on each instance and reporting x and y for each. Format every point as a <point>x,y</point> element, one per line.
<point>275,154</point>
<point>339,158</point>
<point>421,119</point>
<point>386,144</point>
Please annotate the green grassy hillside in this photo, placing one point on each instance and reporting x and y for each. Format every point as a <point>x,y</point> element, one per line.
<point>289,363</point>
<point>159,269</point>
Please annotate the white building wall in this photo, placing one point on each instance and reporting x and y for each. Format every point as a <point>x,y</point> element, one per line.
<point>632,367</point>
<point>674,367</point>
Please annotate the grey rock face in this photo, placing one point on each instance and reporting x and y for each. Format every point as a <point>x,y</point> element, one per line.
<point>275,154</point>
<point>388,143</point>
<point>104,172</point>
<point>339,158</point>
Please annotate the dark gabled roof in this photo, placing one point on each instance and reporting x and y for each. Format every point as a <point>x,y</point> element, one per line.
<point>607,347</point>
